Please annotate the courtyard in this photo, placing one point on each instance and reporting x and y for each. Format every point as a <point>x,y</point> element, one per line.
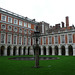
<point>63,66</point>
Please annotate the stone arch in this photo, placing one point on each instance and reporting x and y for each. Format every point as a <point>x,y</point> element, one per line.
<point>63,50</point>
<point>2,50</point>
<point>14,50</point>
<point>44,50</point>
<point>70,50</point>
<point>28,50</point>
<point>8,50</point>
<point>50,50</point>
<point>20,48</point>
<point>56,50</point>
<point>24,50</point>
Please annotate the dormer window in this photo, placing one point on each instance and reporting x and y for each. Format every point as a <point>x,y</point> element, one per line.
<point>3,26</point>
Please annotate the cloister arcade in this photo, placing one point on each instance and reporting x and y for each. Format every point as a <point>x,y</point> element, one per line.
<point>43,50</point>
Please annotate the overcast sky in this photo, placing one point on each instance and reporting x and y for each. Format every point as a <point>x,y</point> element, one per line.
<point>50,11</point>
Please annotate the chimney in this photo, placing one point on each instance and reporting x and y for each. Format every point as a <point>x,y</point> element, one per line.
<point>67,21</point>
<point>62,24</point>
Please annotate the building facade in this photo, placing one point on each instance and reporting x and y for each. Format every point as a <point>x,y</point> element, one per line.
<point>16,32</point>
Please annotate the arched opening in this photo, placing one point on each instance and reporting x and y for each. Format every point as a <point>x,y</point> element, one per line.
<point>14,50</point>
<point>2,50</point>
<point>44,50</point>
<point>63,50</point>
<point>28,50</point>
<point>8,50</point>
<point>70,48</point>
<point>20,50</point>
<point>50,50</point>
<point>39,51</point>
<point>24,50</point>
<point>56,50</point>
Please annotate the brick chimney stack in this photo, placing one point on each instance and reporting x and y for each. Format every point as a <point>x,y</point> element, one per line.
<point>62,24</point>
<point>67,21</point>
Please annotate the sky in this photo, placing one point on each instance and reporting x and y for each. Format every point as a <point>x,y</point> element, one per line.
<point>50,11</point>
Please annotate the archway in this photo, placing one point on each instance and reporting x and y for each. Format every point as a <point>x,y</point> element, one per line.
<point>70,50</point>
<point>20,50</point>
<point>24,50</point>
<point>8,50</point>
<point>63,50</point>
<point>56,50</point>
<point>14,50</point>
<point>50,50</point>
<point>39,51</point>
<point>44,50</point>
<point>28,50</point>
<point>2,50</point>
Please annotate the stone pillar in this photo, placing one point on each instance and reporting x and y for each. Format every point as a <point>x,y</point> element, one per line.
<point>26,51</point>
<point>73,50</point>
<point>66,49</point>
<point>17,53</point>
<point>11,51</point>
<point>22,51</point>
<point>53,52</point>
<point>41,50</point>
<point>59,50</point>
<point>47,50</point>
<point>5,51</point>
<point>31,51</point>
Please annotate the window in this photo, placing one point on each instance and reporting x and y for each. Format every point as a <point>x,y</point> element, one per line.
<point>24,40</point>
<point>56,40</point>
<point>44,40</point>
<point>3,17</point>
<point>15,21</point>
<point>50,40</point>
<point>9,39</point>
<point>3,26</point>
<point>29,41</point>
<point>20,23</point>
<point>20,30</point>
<point>29,32</point>
<point>15,29</point>
<point>20,40</point>
<point>29,25</point>
<point>25,31</point>
<point>2,38</point>
<point>15,39</point>
<point>62,39</point>
<point>25,24</point>
<point>70,38</point>
<point>10,28</point>
<point>10,19</point>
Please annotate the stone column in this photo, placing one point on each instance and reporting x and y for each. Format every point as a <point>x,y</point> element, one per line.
<point>73,50</point>
<point>5,51</point>
<point>59,50</point>
<point>53,52</point>
<point>11,51</point>
<point>26,51</point>
<point>47,50</point>
<point>66,49</point>
<point>41,50</point>
<point>22,51</point>
<point>17,53</point>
